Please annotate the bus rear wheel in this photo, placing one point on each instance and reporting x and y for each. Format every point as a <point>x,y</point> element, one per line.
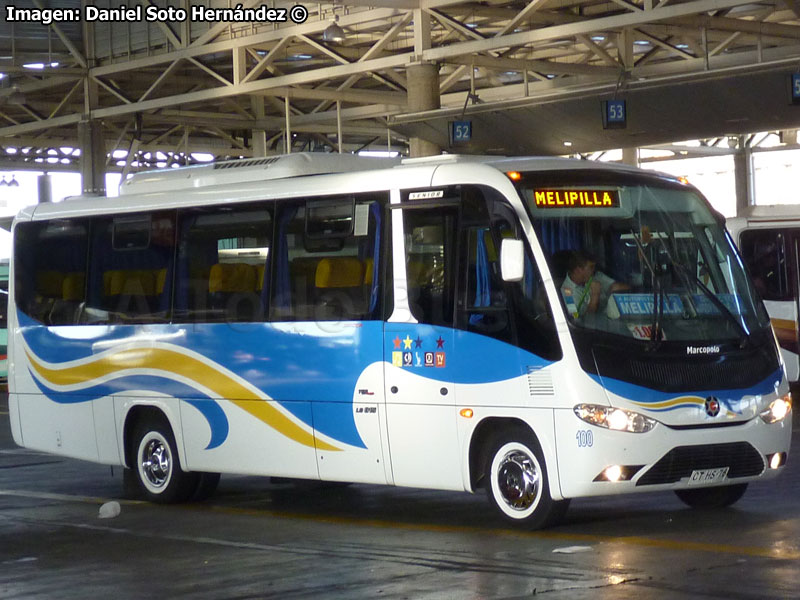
<point>157,465</point>
<point>517,484</point>
<point>712,497</point>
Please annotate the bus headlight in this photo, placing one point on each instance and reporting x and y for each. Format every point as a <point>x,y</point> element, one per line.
<point>614,418</point>
<point>777,410</point>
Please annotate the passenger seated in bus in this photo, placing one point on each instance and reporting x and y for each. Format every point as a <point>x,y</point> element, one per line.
<point>585,289</point>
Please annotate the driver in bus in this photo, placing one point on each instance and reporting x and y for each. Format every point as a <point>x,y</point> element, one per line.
<point>585,289</point>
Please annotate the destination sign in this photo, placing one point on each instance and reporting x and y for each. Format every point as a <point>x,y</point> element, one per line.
<point>704,306</point>
<point>636,305</point>
<point>576,198</point>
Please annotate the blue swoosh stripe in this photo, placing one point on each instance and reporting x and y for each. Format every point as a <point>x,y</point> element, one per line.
<point>209,408</point>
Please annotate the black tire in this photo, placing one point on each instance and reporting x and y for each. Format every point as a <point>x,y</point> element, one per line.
<point>517,484</point>
<point>712,497</point>
<point>157,466</point>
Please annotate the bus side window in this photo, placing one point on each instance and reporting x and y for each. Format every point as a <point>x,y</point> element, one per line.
<point>483,304</point>
<point>51,270</point>
<point>223,264</point>
<point>430,243</point>
<point>327,259</point>
<point>534,327</point>
<point>764,252</point>
<point>131,269</point>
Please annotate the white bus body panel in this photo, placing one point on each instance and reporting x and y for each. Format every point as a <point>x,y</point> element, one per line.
<point>783,316</point>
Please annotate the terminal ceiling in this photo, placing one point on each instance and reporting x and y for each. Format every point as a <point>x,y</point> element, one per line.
<point>530,75</point>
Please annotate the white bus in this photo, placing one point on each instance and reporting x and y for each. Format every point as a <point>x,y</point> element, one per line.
<point>322,317</point>
<point>769,241</point>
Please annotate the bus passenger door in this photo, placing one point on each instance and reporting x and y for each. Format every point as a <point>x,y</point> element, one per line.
<point>419,349</point>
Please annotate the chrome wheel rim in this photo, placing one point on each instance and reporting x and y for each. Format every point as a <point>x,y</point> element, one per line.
<point>518,480</point>
<point>155,462</point>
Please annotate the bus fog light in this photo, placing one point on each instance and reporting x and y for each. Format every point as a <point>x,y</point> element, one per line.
<point>614,418</point>
<point>778,409</point>
<point>613,473</point>
<point>776,460</point>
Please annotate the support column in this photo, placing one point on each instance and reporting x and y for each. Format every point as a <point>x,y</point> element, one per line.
<point>259,136</point>
<point>45,185</point>
<point>90,132</point>
<point>93,157</point>
<point>423,94</point>
<point>743,174</point>
<point>630,156</point>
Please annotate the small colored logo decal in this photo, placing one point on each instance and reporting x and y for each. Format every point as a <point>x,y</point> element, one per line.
<point>408,359</point>
<point>440,360</point>
<point>397,359</point>
<point>429,360</point>
<point>712,406</point>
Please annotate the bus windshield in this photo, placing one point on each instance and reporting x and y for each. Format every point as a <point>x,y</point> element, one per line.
<point>642,258</point>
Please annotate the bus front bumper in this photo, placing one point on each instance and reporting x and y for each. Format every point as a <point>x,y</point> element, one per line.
<point>595,461</point>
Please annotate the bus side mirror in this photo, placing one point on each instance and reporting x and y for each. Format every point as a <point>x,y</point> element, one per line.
<point>512,260</point>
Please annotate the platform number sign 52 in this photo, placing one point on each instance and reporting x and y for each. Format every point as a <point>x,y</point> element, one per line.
<point>615,114</point>
<point>460,132</point>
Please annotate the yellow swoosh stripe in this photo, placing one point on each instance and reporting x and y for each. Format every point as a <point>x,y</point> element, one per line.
<point>673,402</point>
<point>190,368</point>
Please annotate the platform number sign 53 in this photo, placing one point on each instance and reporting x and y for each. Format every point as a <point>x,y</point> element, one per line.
<point>615,114</point>
<point>795,85</point>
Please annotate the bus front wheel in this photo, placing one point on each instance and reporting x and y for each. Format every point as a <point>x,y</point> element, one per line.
<point>517,484</point>
<point>157,465</point>
<point>712,497</point>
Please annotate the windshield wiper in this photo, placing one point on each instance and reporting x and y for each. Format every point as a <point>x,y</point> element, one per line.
<point>658,297</point>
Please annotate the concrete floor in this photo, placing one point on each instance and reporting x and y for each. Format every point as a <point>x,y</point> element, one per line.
<point>255,539</point>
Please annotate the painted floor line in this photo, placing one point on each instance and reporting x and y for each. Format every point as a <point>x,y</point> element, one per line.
<point>782,553</point>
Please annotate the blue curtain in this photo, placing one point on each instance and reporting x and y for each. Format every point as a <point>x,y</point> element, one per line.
<point>483,285</point>
<point>556,235</point>
<point>283,288</point>
<point>375,211</point>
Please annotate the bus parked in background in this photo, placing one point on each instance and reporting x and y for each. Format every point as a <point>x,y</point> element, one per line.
<point>328,317</point>
<point>3,323</point>
<point>768,238</point>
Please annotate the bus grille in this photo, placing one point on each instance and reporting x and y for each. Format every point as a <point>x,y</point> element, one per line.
<point>730,373</point>
<point>677,374</point>
<point>742,459</point>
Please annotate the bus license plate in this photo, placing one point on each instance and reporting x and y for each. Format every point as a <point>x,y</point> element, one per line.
<point>706,476</point>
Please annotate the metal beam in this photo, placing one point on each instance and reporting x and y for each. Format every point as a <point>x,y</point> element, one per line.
<point>260,39</point>
<point>543,66</point>
<point>587,26</point>
<point>255,86</point>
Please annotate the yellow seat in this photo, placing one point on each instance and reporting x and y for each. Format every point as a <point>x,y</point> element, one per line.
<point>49,283</point>
<point>160,279</point>
<point>129,283</point>
<point>232,277</point>
<point>73,286</point>
<point>339,272</point>
<point>260,277</point>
